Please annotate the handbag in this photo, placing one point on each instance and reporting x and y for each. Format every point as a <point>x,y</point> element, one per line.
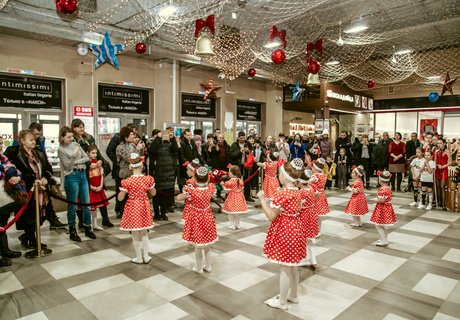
<point>106,167</point>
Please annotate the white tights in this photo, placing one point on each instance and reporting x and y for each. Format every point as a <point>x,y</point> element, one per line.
<point>357,221</point>
<point>199,252</point>
<point>382,233</point>
<point>311,251</point>
<point>289,278</point>
<point>234,220</point>
<point>141,241</point>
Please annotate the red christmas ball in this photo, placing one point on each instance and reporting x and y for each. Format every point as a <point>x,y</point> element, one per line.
<point>252,72</point>
<point>371,84</point>
<point>313,66</point>
<point>278,56</point>
<point>141,48</point>
<point>67,6</point>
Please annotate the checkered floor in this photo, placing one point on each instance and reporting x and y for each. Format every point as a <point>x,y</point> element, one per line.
<point>415,277</point>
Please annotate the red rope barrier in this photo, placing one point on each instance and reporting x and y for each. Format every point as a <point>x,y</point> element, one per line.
<point>55,196</point>
<point>252,176</point>
<point>19,214</point>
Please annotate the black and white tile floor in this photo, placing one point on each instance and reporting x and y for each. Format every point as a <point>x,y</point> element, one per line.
<point>415,277</point>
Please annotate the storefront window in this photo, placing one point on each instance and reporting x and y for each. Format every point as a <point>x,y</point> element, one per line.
<point>384,122</point>
<point>406,123</point>
<point>451,127</point>
<point>430,121</point>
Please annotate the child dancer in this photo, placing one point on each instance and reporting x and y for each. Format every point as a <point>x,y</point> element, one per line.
<point>200,226</point>
<point>235,204</point>
<point>383,215</point>
<point>191,168</point>
<point>270,183</point>
<point>415,166</point>
<point>357,206</point>
<point>427,169</point>
<point>96,190</point>
<point>285,243</point>
<point>137,216</point>
<point>329,170</point>
<point>308,215</point>
<point>443,160</point>
<point>342,168</point>
<point>321,204</point>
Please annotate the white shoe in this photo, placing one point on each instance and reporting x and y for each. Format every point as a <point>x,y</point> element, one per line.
<point>318,235</point>
<point>98,228</point>
<point>413,204</point>
<point>381,244</point>
<point>207,268</point>
<point>354,225</point>
<point>429,207</point>
<point>147,259</point>
<point>291,300</point>
<point>275,303</point>
<point>231,227</point>
<point>421,207</point>
<point>197,270</point>
<point>137,260</point>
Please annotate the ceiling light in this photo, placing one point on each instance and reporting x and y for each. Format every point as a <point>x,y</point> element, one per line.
<point>167,11</point>
<point>332,63</point>
<point>234,15</point>
<point>357,26</point>
<point>434,78</point>
<point>273,44</point>
<point>403,51</point>
<point>340,41</point>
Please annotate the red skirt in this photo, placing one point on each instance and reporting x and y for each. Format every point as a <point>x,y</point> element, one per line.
<point>357,206</point>
<point>383,215</point>
<point>310,223</point>
<point>137,214</point>
<point>270,186</point>
<point>200,227</point>
<point>321,204</point>
<point>98,197</point>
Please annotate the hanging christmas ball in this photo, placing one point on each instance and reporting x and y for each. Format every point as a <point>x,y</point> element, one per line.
<point>433,96</point>
<point>278,56</point>
<point>314,66</point>
<point>371,84</point>
<point>252,72</point>
<point>67,6</point>
<point>141,48</point>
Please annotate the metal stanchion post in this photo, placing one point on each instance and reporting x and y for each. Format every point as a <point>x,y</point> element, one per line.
<point>38,252</point>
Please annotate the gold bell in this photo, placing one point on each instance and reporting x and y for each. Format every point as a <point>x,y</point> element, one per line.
<point>203,45</point>
<point>313,80</point>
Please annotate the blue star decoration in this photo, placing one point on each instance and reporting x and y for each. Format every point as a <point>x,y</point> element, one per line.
<point>297,92</point>
<point>106,51</point>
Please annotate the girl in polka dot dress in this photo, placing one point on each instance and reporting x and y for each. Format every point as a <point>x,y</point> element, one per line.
<point>235,203</point>
<point>270,184</point>
<point>383,215</point>
<point>308,215</point>
<point>137,216</point>
<point>200,226</point>
<point>357,206</point>
<point>321,205</point>
<point>191,168</point>
<point>285,243</point>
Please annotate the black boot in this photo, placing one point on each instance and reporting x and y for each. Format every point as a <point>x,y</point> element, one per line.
<point>89,232</point>
<point>398,181</point>
<point>80,219</point>
<point>164,217</point>
<point>4,262</point>
<point>392,181</point>
<point>73,234</point>
<point>105,217</point>
<point>5,251</point>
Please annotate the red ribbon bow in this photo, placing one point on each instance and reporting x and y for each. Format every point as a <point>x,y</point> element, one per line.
<point>353,168</point>
<point>229,166</point>
<point>142,159</point>
<point>200,24</point>
<point>379,172</point>
<point>186,163</point>
<point>267,152</point>
<point>318,46</point>
<point>274,33</point>
<point>281,162</point>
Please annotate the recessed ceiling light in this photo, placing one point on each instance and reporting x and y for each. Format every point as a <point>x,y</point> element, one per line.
<point>403,51</point>
<point>434,78</point>
<point>357,26</point>
<point>273,44</point>
<point>234,15</point>
<point>167,11</point>
<point>332,63</point>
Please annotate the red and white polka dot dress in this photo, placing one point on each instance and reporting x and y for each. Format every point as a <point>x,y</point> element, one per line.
<point>286,243</point>
<point>235,203</point>
<point>321,205</point>
<point>271,183</point>
<point>357,206</point>
<point>138,213</point>
<point>189,182</point>
<point>383,214</point>
<point>307,213</point>
<point>200,226</point>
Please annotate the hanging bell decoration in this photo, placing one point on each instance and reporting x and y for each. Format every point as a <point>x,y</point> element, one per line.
<point>204,30</point>
<point>313,80</point>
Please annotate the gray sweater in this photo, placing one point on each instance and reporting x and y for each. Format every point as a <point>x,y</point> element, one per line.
<point>69,162</point>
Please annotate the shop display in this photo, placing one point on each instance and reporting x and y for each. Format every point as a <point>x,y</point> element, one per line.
<point>301,128</point>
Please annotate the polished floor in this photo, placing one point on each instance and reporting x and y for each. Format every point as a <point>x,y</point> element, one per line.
<point>415,277</point>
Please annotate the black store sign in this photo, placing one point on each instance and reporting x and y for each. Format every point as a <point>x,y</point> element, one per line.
<point>193,106</point>
<point>30,92</point>
<point>248,111</point>
<point>114,98</point>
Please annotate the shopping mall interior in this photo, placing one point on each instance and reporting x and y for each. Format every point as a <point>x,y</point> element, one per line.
<point>306,67</point>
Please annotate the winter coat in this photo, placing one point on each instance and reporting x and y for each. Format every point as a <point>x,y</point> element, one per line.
<point>381,154</point>
<point>163,155</point>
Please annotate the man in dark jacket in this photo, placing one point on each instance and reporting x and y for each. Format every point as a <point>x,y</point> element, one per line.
<point>381,154</point>
<point>187,152</point>
<point>343,141</point>
<point>362,153</point>
<point>219,153</point>
<point>162,151</point>
<point>411,146</point>
<point>239,152</point>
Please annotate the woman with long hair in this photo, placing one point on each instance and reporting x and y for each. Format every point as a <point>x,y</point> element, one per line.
<point>443,160</point>
<point>396,162</point>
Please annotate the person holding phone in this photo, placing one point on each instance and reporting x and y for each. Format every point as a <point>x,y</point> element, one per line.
<point>283,147</point>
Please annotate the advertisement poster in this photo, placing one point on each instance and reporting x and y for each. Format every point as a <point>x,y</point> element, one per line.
<point>113,98</point>
<point>364,102</point>
<point>357,101</point>
<point>248,111</point>
<point>86,115</point>
<point>428,126</point>
<point>193,106</point>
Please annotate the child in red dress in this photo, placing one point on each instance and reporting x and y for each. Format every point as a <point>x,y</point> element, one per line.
<point>270,184</point>
<point>383,215</point>
<point>191,168</point>
<point>285,243</point>
<point>137,216</point>
<point>319,181</point>
<point>200,226</point>
<point>308,215</point>
<point>235,203</point>
<point>357,206</point>
<point>96,190</point>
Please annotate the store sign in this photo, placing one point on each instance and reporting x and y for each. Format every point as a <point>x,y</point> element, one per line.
<point>248,111</point>
<point>86,115</point>
<point>339,96</point>
<point>193,106</point>
<point>30,92</point>
<point>113,98</point>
